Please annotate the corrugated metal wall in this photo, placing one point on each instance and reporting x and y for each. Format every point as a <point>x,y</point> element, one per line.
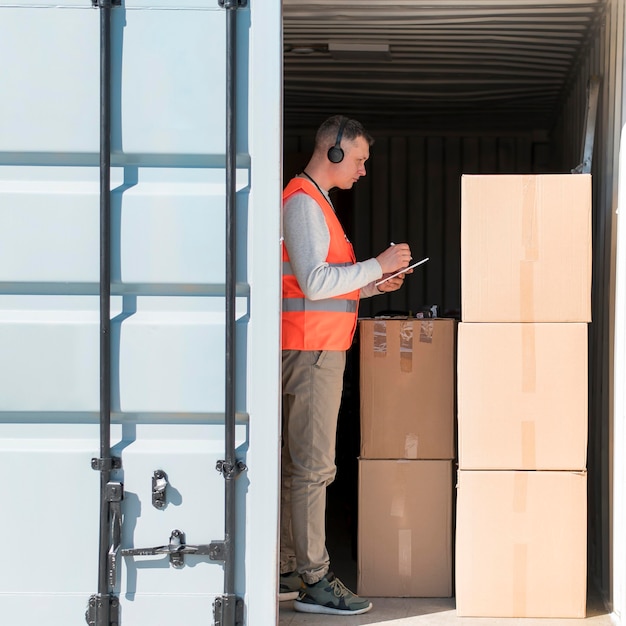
<point>412,193</point>
<point>604,59</point>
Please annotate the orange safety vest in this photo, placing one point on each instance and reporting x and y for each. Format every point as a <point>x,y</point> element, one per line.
<point>327,324</point>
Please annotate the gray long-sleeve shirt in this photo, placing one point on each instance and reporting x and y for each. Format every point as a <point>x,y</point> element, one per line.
<point>307,240</point>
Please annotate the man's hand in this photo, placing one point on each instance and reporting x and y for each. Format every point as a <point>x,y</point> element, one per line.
<point>394,258</point>
<point>393,284</point>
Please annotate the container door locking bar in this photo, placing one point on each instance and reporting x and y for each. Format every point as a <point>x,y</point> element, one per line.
<point>103,607</point>
<point>228,609</point>
<point>177,548</point>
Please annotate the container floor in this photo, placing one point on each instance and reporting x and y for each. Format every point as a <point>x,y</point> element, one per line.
<point>431,611</point>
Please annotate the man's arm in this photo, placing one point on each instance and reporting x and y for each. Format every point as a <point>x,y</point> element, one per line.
<point>307,240</point>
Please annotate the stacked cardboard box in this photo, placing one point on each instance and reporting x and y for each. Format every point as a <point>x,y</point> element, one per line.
<point>522,396</point>
<point>407,369</point>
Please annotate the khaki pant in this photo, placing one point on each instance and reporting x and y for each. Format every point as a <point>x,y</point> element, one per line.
<point>312,387</point>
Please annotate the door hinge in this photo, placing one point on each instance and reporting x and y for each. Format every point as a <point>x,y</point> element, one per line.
<point>225,605</point>
<point>230,470</point>
<point>109,463</point>
<point>103,610</point>
<point>106,4</point>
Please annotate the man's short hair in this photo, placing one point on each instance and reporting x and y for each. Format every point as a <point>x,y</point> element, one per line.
<point>326,135</point>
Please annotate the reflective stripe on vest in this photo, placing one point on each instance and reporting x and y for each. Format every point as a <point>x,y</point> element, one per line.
<point>290,305</point>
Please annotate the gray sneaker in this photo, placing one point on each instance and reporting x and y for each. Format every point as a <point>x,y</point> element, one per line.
<point>331,597</point>
<point>289,586</point>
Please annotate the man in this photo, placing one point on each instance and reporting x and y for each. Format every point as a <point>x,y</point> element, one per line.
<point>322,284</point>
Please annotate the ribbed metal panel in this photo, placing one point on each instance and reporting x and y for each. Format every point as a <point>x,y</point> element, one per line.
<point>451,64</point>
<point>603,58</point>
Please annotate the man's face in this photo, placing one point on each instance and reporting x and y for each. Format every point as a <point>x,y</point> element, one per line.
<point>352,167</point>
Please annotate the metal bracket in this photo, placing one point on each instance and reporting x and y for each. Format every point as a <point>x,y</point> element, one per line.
<point>106,4</point>
<point>114,492</point>
<point>159,485</point>
<point>217,551</point>
<point>232,4</point>
<point>177,548</point>
<point>103,611</point>
<point>228,470</point>
<point>110,463</point>
<point>224,605</point>
<point>593,90</point>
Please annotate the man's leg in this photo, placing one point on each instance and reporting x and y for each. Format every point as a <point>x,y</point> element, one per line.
<point>287,548</point>
<point>312,387</point>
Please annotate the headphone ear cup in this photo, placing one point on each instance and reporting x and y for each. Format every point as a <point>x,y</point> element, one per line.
<point>335,154</point>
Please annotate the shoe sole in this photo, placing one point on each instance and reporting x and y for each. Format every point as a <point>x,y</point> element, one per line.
<point>288,595</point>
<point>306,607</point>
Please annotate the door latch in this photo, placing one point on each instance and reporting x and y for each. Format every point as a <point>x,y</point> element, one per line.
<point>177,548</point>
<point>114,494</point>
<point>159,486</point>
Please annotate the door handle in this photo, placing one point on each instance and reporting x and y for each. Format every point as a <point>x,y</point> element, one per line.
<point>176,549</point>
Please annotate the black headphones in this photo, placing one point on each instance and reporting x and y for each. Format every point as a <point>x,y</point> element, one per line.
<point>335,153</point>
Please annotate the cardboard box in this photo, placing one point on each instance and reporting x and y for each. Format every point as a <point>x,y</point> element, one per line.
<point>407,388</point>
<point>526,248</point>
<point>522,396</point>
<point>521,544</point>
<point>405,528</point>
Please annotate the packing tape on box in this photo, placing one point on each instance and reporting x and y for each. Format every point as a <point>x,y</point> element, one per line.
<point>530,247</point>
<point>528,438</point>
<point>529,444</point>
<point>405,552</point>
<point>520,550</point>
<point>527,290</point>
<point>406,347</point>
<point>427,328</point>
<point>398,511</point>
<point>399,486</point>
<point>380,338</point>
<point>520,579</point>
<point>529,358</point>
<point>381,344</point>
<point>411,443</point>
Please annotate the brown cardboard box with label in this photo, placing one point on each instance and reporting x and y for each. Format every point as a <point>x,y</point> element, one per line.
<point>521,544</point>
<point>526,248</point>
<point>405,528</point>
<point>407,371</point>
<point>522,396</point>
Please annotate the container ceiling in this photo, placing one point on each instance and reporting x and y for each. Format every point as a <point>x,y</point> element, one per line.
<point>415,65</point>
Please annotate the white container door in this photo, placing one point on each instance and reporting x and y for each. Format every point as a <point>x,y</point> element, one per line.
<point>168,312</point>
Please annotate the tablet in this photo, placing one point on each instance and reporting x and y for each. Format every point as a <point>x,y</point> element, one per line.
<point>402,271</point>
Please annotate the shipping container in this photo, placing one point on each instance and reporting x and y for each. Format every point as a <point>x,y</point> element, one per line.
<point>143,148</point>
<point>140,293</point>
